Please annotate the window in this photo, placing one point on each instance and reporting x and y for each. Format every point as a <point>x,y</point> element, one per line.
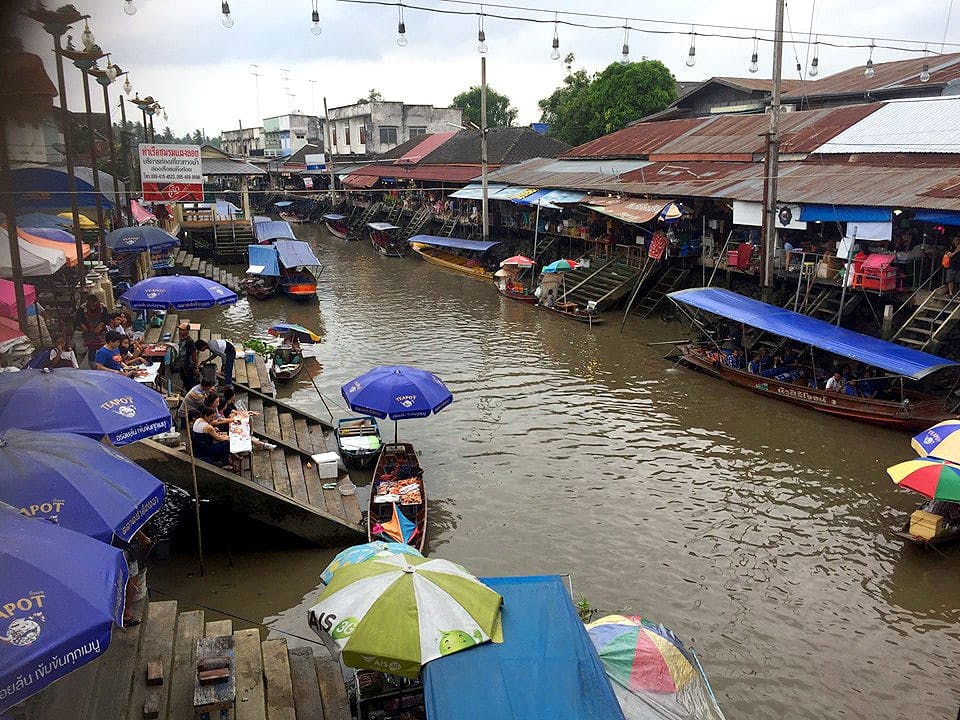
<point>388,135</point>
<point>416,131</point>
<point>346,136</point>
<point>363,135</point>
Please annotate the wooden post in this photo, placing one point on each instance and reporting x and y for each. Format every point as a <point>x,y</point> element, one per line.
<point>483,148</point>
<point>329,151</point>
<point>10,210</point>
<point>66,124</point>
<point>771,162</point>
<point>196,490</point>
<point>245,194</point>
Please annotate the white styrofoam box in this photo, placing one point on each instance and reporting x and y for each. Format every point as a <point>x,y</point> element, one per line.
<point>327,464</point>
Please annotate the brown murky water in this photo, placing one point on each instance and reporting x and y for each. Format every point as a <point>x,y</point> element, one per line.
<point>757,530</point>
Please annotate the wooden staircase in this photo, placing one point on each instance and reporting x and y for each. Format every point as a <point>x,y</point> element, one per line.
<point>367,215</point>
<point>667,282</point>
<point>417,223</point>
<point>823,303</point>
<point>930,323</point>
<point>449,225</point>
<point>603,285</point>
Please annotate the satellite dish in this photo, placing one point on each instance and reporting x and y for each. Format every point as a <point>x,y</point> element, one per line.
<point>785,215</point>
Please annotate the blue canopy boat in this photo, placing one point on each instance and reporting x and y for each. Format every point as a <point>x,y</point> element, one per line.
<point>439,251</point>
<point>284,208</point>
<point>908,408</point>
<point>268,231</point>
<point>296,277</point>
<point>338,227</point>
<point>385,239</point>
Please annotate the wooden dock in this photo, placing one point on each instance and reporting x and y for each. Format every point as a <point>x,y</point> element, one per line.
<point>191,265</point>
<point>272,680</point>
<point>282,487</point>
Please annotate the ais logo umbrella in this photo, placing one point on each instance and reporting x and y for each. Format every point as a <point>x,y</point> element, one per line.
<point>359,553</point>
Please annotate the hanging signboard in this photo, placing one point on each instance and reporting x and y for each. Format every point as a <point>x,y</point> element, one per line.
<point>308,183</point>
<point>316,162</point>
<point>171,173</point>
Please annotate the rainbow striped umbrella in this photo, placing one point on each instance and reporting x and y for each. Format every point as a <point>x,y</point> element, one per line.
<point>652,669</point>
<point>940,441</point>
<point>935,479</point>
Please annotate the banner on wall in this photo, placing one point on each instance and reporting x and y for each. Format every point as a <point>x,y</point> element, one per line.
<point>171,173</point>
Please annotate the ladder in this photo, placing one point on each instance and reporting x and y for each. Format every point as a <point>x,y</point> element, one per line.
<point>417,223</point>
<point>449,225</point>
<point>669,279</point>
<point>930,322</point>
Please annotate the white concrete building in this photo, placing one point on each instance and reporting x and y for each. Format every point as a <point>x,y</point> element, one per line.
<point>243,142</point>
<point>285,134</point>
<point>373,127</point>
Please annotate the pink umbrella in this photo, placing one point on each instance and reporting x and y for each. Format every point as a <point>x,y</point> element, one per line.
<point>518,260</point>
<point>8,300</point>
<point>140,214</point>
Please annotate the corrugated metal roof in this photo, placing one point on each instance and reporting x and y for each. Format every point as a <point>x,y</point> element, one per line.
<point>427,145</point>
<point>227,166</point>
<point>635,140</point>
<point>570,174</point>
<point>928,125</point>
<point>443,173</point>
<point>504,146</point>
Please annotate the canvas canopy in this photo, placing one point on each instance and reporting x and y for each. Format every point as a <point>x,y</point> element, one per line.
<point>457,243</point>
<point>34,260</point>
<point>273,230</point>
<point>263,260</point>
<point>295,253</point>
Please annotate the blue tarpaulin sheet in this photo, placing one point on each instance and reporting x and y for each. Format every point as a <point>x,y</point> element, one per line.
<point>810,331</point>
<point>458,243</point>
<point>294,253</point>
<point>273,230</point>
<point>844,213</point>
<point>551,198</point>
<point>546,668</point>
<point>940,217</point>
<point>263,260</point>
<point>474,191</point>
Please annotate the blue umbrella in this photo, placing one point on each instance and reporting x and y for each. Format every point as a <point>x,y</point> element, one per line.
<point>55,234</point>
<point>359,553</point>
<point>138,239</point>
<point>44,220</point>
<point>181,292</point>
<point>87,402</point>
<point>62,594</point>
<point>78,483</point>
<point>398,392</point>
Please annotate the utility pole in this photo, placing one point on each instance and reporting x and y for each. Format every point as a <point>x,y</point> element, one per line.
<point>772,163</point>
<point>313,101</point>
<point>483,146</point>
<point>256,92</point>
<point>285,74</point>
<point>329,152</point>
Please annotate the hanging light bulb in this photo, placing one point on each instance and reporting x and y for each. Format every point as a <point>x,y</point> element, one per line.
<point>555,46</point>
<point>89,42</point>
<point>226,20</point>
<point>315,26</point>
<point>868,70</point>
<point>129,8</point>
<point>925,73</point>
<point>692,52</point>
<point>111,71</point>
<point>401,27</point>
<point>815,63</point>
<point>481,35</point>
<point>164,114</point>
<point>625,50</point>
<point>127,87</point>
<point>754,66</point>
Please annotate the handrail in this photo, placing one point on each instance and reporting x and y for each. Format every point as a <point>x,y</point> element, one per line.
<point>566,292</point>
<point>914,293</point>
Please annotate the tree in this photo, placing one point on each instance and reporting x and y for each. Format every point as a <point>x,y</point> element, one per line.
<point>499,111</point>
<point>372,96</point>
<point>584,108</point>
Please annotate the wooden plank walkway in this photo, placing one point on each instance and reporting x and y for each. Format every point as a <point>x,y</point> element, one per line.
<point>272,680</point>
<point>187,263</point>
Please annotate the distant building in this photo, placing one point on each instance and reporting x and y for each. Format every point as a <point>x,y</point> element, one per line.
<point>285,134</point>
<point>243,142</point>
<point>373,127</point>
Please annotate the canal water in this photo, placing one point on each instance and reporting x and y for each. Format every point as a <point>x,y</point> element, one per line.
<point>758,531</point>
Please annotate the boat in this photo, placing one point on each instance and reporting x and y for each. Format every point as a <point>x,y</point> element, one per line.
<point>439,251</point>
<point>519,295</point>
<point>266,231</point>
<point>262,279</point>
<point>385,239</point>
<point>295,260</point>
<point>337,226</point>
<point>259,287</point>
<point>508,282</point>
<point>287,364</point>
<point>574,312</point>
<point>951,534</point>
<point>283,208</point>
<point>358,441</point>
<point>397,490</point>
<point>912,410</point>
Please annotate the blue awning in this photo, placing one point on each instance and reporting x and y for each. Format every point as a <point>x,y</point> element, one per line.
<point>334,216</point>
<point>474,191</point>
<point>273,230</point>
<point>284,203</point>
<point>844,213</point>
<point>294,253</point>
<point>940,217</point>
<point>458,243</point>
<point>546,668</point>
<point>263,260</point>
<point>804,329</point>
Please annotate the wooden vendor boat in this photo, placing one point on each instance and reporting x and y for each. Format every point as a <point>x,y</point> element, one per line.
<point>951,534</point>
<point>287,214</point>
<point>287,364</point>
<point>358,441</point>
<point>912,409</point>
<point>439,251</point>
<point>518,295</point>
<point>398,498</point>
<point>385,238</point>
<point>296,263</point>
<point>574,312</point>
<point>336,225</point>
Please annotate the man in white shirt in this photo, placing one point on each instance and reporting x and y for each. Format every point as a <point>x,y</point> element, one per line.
<point>835,383</point>
<point>223,349</point>
<point>116,323</point>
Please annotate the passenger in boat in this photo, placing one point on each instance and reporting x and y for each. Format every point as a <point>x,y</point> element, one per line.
<point>835,382</point>
<point>734,359</point>
<point>754,365</point>
<point>209,443</point>
<point>766,360</point>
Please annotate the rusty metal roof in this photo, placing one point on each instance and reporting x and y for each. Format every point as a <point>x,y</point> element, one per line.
<point>636,140</point>
<point>580,174</point>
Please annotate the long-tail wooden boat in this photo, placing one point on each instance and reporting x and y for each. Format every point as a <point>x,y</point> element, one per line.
<point>292,218</point>
<point>287,364</point>
<point>385,239</point>
<point>574,312</point>
<point>950,534</point>
<point>259,287</point>
<point>298,283</point>
<point>518,295</point>
<point>358,441</point>
<point>438,250</point>
<point>337,226</point>
<point>912,410</point>
<point>294,259</point>
<point>398,487</point>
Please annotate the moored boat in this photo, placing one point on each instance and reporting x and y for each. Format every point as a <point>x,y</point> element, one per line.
<point>398,498</point>
<point>518,295</point>
<point>385,238</point>
<point>949,535</point>
<point>295,260</point>
<point>508,282</point>
<point>266,231</point>
<point>287,364</point>
<point>440,251</point>
<point>907,410</point>
<point>284,208</point>
<point>358,441</point>
<point>336,225</point>
<point>574,312</point>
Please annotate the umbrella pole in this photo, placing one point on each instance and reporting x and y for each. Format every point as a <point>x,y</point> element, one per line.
<point>396,431</point>
<point>196,492</point>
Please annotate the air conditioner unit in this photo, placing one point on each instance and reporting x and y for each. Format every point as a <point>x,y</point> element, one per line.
<point>783,109</point>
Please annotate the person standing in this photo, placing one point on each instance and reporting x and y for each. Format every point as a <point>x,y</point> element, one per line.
<point>189,367</point>
<point>92,319</point>
<point>226,351</point>
<point>952,265</point>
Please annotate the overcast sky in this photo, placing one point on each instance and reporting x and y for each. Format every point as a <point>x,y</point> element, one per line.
<point>179,52</point>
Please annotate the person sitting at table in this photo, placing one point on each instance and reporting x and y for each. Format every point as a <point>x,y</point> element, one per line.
<point>210,444</point>
<point>193,401</point>
<point>130,352</point>
<point>232,408</point>
<point>62,355</point>
<point>212,400</point>
<point>108,357</point>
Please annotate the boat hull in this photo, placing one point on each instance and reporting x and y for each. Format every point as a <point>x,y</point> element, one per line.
<point>291,218</point>
<point>449,261</point>
<point>519,297</point>
<point>287,365</point>
<point>338,231</point>
<point>945,538</point>
<point>353,457</point>
<point>915,416</point>
<point>390,455</point>
<point>388,249</point>
<point>581,317</point>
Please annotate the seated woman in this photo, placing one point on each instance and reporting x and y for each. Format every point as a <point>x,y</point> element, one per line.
<point>232,409</point>
<point>212,401</point>
<point>210,444</point>
<point>130,353</point>
<point>62,355</point>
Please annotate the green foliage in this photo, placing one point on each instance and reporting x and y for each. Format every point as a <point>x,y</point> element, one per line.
<point>257,345</point>
<point>585,107</point>
<point>499,112</point>
<point>372,96</point>
<point>583,609</point>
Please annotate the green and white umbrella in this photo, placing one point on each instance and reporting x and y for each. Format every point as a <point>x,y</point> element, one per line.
<point>395,613</point>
